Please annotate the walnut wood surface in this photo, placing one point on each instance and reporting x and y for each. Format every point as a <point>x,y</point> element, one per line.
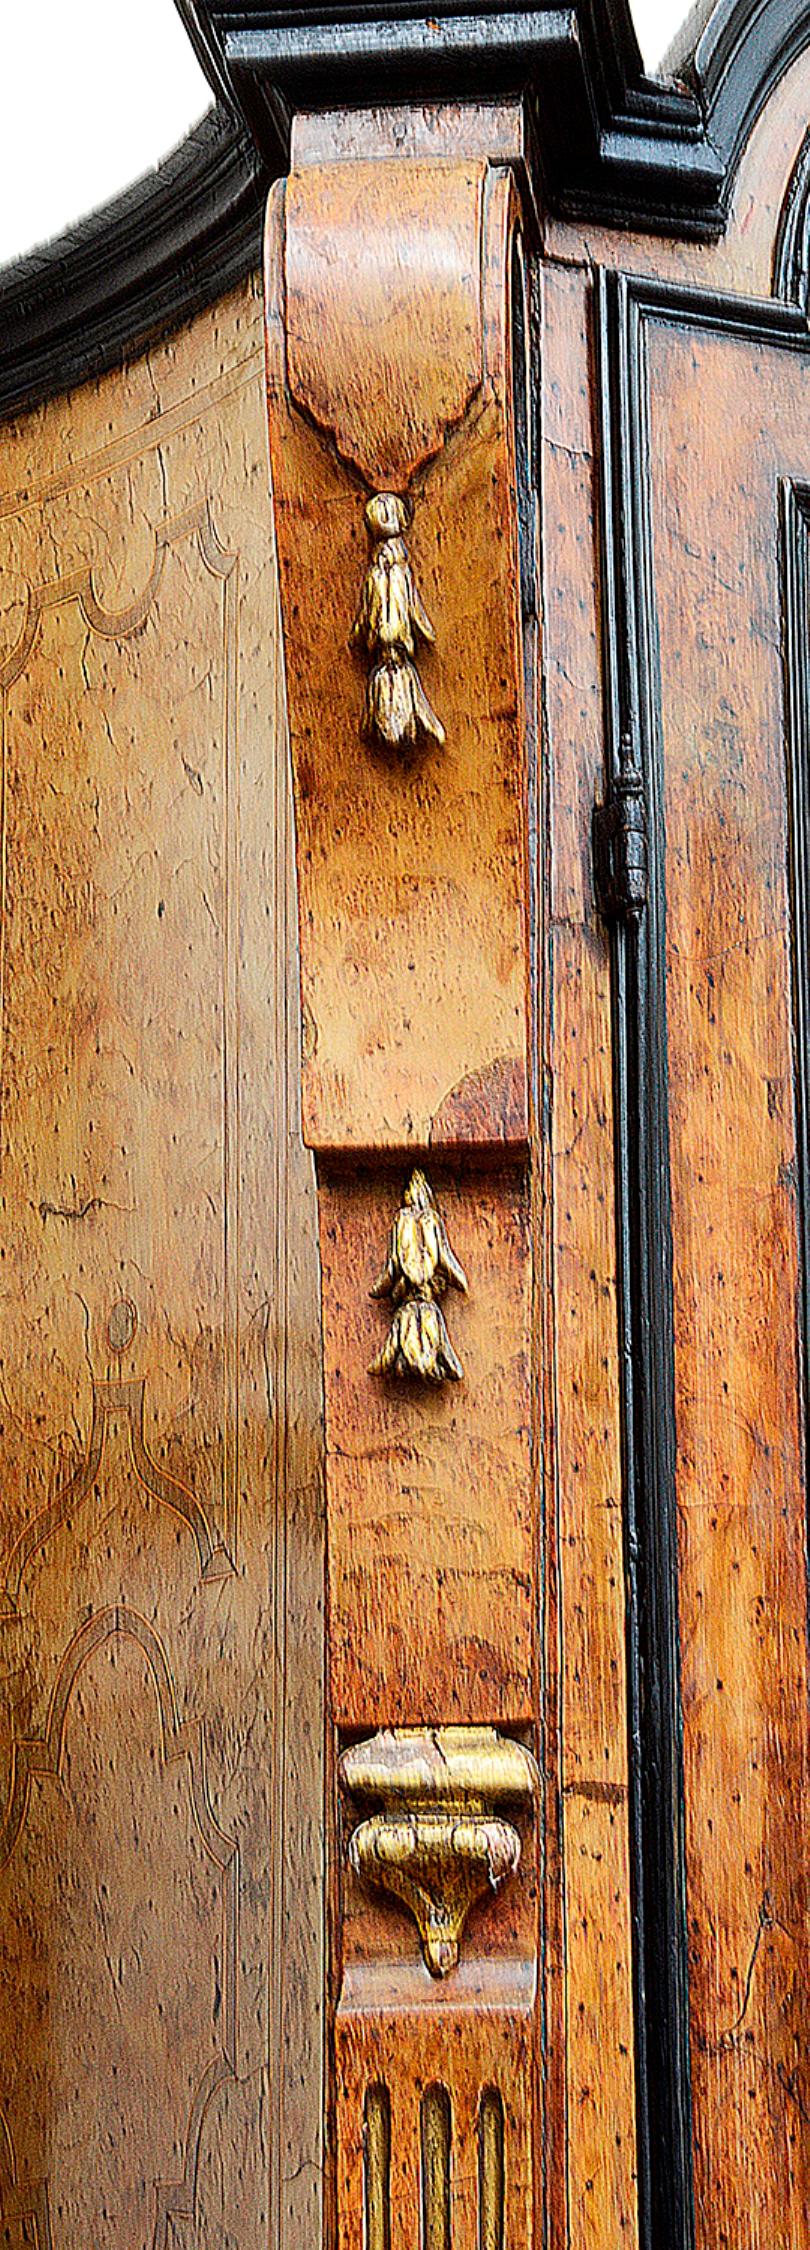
<point>388,292</point>
<point>740,1468</point>
<point>170,1844</point>
<point>589,1969</point>
<point>161,1964</point>
<point>410,872</point>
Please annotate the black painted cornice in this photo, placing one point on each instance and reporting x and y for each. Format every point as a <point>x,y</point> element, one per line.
<point>610,140</point>
<point>606,139</point>
<point>175,241</point>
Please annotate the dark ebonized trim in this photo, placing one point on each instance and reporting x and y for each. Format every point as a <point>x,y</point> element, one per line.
<point>175,241</point>
<point>605,138</point>
<point>791,267</point>
<point>611,140</point>
<point>626,307</point>
<point>645,1299</point>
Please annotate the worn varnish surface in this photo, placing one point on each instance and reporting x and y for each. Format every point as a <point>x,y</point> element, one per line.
<point>409,868</point>
<point>160,1531</point>
<point>166,1854</point>
<point>740,1472</point>
<point>430,1491</point>
<point>388,359</point>
<point>592,2186</point>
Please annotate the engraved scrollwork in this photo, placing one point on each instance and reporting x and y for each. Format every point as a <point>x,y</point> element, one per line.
<point>390,617</point>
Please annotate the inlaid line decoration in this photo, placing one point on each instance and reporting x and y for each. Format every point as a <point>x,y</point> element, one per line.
<point>41,1773</point>
<point>390,621</point>
<point>192,525</point>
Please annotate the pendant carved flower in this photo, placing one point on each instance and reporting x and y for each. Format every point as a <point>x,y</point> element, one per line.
<point>389,620</point>
<point>419,1268</point>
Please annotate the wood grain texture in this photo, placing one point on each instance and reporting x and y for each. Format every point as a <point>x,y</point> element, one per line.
<point>394,283</point>
<point>411,870</point>
<point>161,1893</point>
<point>431,1535</point>
<point>740,1470</point>
<point>589,1969</point>
<point>386,388</point>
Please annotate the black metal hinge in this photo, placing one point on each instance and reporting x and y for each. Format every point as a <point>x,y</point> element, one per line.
<point>620,850</point>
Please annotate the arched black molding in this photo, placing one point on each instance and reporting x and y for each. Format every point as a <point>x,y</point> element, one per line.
<point>604,139</point>
<point>175,241</point>
<point>608,138</point>
<point>791,266</point>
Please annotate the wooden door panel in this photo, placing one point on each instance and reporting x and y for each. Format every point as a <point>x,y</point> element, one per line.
<point>718,418</point>
<point>740,1475</point>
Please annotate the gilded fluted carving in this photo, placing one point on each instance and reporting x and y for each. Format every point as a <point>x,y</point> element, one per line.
<point>441,1840</point>
<point>419,1268</point>
<point>390,617</point>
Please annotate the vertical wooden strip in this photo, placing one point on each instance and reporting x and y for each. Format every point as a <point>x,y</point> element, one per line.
<point>377,2167</point>
<point>3,824</point>
<point>490,2170</point>
<point>435,2132</point>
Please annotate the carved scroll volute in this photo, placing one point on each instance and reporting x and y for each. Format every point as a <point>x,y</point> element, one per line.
<point>391,437</point>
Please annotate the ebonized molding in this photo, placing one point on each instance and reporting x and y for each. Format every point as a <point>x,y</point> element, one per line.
<point>611,140</point>
<point>645,1297</point>
<point>791,273</point>
<point>634,769</point>
<point>176,240</point>
<point>606,139</point>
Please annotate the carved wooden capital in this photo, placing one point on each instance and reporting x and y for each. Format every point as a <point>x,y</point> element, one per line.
<point>441,1838</point>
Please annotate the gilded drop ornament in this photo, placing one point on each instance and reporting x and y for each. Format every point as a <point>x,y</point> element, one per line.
<point>389,620</point>
<point>419,1268</point>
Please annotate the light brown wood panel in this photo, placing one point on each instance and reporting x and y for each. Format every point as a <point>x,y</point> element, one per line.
<point>161,1547</point>
<point>411,870</point>
<point>431,1548</point>
<point>729,419</point>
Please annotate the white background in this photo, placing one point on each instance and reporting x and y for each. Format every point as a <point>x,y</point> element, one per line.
<point>117,85</point>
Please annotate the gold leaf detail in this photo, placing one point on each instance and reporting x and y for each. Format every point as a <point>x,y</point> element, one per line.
<point>419,1268</point>
<point>441,1839</point>
<point>390,615</point>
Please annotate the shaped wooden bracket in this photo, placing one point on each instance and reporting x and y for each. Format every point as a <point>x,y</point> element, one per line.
<point>389,315</point>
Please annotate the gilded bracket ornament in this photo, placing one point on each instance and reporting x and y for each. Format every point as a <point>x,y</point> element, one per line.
<point>440,1840</point>
<point>419,1268</point>
<point>391,613</point>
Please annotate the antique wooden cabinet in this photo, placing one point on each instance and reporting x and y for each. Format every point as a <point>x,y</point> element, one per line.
<point>405,1153</point>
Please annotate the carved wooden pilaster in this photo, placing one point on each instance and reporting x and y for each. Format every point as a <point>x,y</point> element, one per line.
<point>393,433</point>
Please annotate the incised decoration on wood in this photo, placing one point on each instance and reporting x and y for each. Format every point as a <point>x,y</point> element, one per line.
<point>440,1840</point>
<point>419,1267</point>
<point>391,613</point>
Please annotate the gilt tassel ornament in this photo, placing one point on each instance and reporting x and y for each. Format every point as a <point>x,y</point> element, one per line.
<point>419,1268</point>
<point>390,615</point>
